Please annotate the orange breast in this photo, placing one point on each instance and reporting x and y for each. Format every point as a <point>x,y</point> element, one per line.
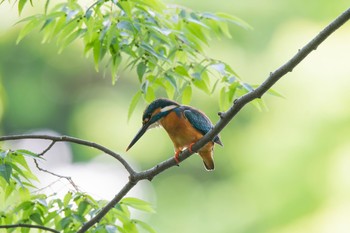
<point>180,130</point>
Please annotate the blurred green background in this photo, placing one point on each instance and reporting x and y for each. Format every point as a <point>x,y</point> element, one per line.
<point>282,170</point>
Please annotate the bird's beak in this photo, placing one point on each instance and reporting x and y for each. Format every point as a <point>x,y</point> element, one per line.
<point>139,135</point>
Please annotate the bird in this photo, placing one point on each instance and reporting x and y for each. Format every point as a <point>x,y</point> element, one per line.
<point>184,124</point>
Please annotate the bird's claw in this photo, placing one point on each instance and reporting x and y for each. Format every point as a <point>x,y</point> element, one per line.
<point>176,157</point>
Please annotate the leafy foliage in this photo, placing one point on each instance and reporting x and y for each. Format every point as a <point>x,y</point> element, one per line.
<point>162,43</point>
<point>22,203</point>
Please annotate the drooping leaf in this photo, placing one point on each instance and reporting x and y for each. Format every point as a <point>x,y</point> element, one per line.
<point>28,153</point>
<point>35,217</point>
<point>141,68</point>
<point>144,225</point>
<point>235,20</point>
<point>6,171</point>
<point>29,27</point>
<point>21,4</point>
<point>67,198</point>
<point>138,204</point>
<point>3,154</point>
<point>187,94</point>
<point>133,103</point>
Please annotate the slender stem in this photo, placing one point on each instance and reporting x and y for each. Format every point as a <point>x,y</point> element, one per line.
<point>22,225</point>
<point>68,178</point>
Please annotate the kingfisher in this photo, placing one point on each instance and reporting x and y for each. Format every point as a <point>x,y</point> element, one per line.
<point>185,125</point>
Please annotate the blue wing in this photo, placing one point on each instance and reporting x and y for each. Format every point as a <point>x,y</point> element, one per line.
<point>199,121</point>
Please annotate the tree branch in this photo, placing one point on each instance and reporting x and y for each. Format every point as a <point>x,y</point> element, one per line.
<point>55,139</point>
<point>22,225</point>
<point>225,118</point>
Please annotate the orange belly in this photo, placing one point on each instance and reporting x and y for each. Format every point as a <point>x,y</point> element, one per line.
<point>182,133</point>
<point>180,130</point>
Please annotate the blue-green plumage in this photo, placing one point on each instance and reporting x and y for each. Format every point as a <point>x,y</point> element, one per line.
<point>199,121</point>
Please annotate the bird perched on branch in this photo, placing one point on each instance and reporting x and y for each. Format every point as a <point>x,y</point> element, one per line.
<point>185,125</point>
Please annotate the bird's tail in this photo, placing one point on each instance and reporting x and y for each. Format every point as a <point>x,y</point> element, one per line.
<point>208,160</point>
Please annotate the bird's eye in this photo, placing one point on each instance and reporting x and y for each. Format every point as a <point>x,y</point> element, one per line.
<point>145,120</point>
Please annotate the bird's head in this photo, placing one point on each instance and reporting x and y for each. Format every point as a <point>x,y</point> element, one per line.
<point>151,116</point>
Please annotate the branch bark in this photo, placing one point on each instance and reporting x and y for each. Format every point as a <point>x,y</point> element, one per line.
<point>226,117</point>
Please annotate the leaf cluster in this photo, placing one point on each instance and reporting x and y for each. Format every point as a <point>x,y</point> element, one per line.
<point>164,44</point>
<point>24,204</point>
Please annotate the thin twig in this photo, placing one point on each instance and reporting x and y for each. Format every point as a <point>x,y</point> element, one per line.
<point>47,149</point>
<point>22,225</point>
<point>68,178</point>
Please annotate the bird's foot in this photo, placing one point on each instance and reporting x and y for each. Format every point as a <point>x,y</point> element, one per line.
<point>190,147</point>
<point>176,157</point>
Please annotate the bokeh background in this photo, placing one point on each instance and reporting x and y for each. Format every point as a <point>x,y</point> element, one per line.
<point>286,169</point>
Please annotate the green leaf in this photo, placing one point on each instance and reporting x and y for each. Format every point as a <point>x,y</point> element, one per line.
<point>122,216</point>
<point>25,206</point>
<point>187,94</point>
<point>141,68</point>
<point>65,222</point>
<point>181,70</point>
<point>49,217</point>
<point>8,190</point>
<point>72,37</point>
<point>24,194</point>
<point>150,95</point>
<point>169,86</point>
<point>67,199</point>
<point>275,93</point>
<point>21,4</point>
<point>96,52</point>
<point>223,99</point>
<point>3,154</point>
<point>82,208</point>
<point>130,227</point>
<point>151,51</point>
<point>133,103</point>
<point>144,226</point>
<point>19,159</point>
<point>6,171</point>
<point>36,218</point>
<point>260,104</point>
<point>235,20</point>
<point>138,204</point>
<point>28,153</point>
<point>202,85</point>
<point>23,173</point>
<point>116,60</point>
<point>29,27</point>
<point>153,4</point>
<point>46,6</point>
